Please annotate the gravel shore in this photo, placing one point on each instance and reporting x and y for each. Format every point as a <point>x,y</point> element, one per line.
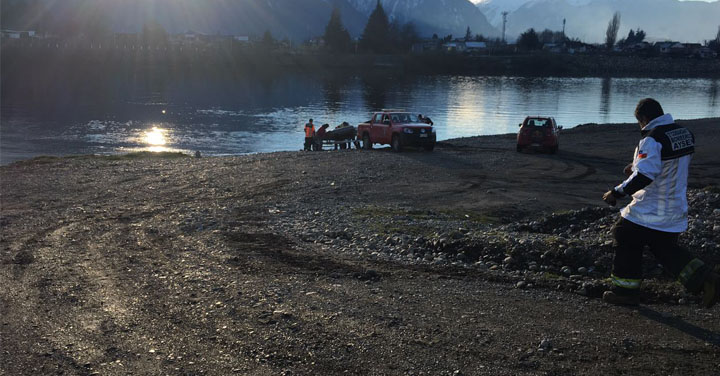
<point>470,260</point>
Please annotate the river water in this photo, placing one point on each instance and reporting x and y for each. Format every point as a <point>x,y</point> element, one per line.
<point>228,115</point>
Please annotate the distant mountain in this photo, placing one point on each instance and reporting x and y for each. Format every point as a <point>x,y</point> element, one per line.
<point>685,21</point>
<point>296,20</point>
<point>433,16</point>
<point>293,19</point>
<point>492,9</point>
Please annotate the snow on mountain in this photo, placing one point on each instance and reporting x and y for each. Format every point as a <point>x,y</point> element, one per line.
<point>493,9</point>
<point>433,16</point>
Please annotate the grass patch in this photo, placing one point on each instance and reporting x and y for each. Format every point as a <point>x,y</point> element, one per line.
<point>415,214</point>
<point>377,211</point>
<point>553,240</point>
<point>146,155</point>
<point>392,221</point>
<point>411,230</point>
<point>43,159</point>
<point>482,218</point>
<point>548,275</point>
<point>712,189</point>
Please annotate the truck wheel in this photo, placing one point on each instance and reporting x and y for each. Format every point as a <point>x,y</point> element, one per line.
<point>429,147</point>
<point>396,143</point>
<point>367,145</point>
<point>519,148</point>
<point>554,149</point>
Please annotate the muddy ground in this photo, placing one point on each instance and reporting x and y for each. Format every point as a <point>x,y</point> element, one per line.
<point>305,263</point>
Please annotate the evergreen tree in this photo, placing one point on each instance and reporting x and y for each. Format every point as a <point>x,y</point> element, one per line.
<point>549,36</point>
<point>376,36</point>
<point>546,36</point>
<point>639,36</point>
<point>395,34</point>
<point>715,43</point>
<point>408,36</point>
<point>634,36</point>
<point>154,34</point>
<point>529,40</point>
<point>631,37</point>
<point>468,34</point>
<point>337,38</point>
<point>267,40</point>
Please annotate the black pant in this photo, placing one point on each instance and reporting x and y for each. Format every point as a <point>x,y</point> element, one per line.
<point>631,238</point>
<point>308,143</point>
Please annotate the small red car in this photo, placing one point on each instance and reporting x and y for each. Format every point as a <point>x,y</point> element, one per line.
<point>539,133</point>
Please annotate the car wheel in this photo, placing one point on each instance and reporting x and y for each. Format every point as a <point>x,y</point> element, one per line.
<point>367,145</point>
<point>429,147</point>
<point>396,144</point>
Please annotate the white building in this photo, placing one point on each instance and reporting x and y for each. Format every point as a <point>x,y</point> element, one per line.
<point>17,34</point>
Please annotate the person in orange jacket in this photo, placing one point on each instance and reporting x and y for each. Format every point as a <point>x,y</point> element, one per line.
<point>309,135</point>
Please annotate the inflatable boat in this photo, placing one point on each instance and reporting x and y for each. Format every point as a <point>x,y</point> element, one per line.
<point>342,133</point>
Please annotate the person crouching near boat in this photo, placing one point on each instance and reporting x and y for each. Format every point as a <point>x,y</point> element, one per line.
<point>320,136</point>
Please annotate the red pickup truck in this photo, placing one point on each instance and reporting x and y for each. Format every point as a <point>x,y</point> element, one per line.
<point>397,128</point>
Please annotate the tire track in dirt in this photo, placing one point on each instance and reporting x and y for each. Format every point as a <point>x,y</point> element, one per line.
<point>33,290</point>
<point>102,307</point>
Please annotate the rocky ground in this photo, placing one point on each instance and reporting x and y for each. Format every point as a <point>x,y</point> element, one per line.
<point>571,250</point>
<point>470,260</point>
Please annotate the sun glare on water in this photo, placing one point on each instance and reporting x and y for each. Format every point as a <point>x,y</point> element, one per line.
<point>156,139</point>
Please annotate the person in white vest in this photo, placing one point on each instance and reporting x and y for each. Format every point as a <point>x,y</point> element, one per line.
<point>657,214</point>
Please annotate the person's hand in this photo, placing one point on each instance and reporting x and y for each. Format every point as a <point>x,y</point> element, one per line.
<point>609,198</point>
<point>628,170</point>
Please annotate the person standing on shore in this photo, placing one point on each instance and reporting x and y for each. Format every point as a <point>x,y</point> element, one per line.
<point>309,135</point>
<point>657,214</point>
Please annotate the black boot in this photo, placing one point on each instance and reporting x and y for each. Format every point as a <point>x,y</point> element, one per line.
<point>711,290</point>
<point>617,297</point>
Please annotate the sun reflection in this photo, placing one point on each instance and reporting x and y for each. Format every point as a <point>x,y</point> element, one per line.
<point>156,138</point>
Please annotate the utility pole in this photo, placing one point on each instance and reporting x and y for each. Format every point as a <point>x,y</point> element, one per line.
<point>504,14</point>
<point>564,30</point>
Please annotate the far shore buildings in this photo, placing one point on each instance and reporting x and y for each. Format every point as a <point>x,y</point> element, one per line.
<point>18,34</point>
<point>465,47</point>
<point>193,40</point>
<point>458,46</point>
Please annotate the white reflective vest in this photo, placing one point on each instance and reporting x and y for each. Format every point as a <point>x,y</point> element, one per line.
<point>662,156</point>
